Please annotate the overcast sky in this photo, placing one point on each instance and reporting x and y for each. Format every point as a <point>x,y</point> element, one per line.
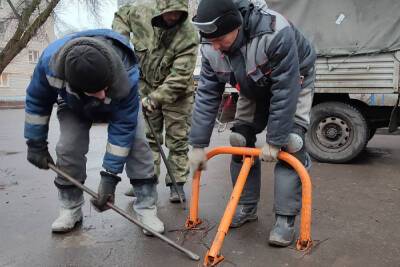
<point>75,16</point>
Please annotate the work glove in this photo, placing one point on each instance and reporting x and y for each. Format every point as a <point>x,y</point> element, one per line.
<point>269,153</point>
<point>106,190</point>
<point>149,105</point>
<point>197,159</point>
<point>38,154</point>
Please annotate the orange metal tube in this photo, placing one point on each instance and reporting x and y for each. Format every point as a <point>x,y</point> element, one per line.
<point>304,240</point>
<point>226,220</point>
<point>193,219</point>
<point>244,151</point>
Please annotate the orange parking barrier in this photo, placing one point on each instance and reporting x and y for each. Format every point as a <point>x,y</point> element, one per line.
<point>213,256</point>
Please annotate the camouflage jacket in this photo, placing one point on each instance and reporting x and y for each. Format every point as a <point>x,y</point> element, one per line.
<point>167,55</point>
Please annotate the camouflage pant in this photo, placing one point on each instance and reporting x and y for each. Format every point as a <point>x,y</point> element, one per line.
<point>175,118</point>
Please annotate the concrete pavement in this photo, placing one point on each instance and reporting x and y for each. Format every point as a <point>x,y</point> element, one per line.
<point>356,213</point>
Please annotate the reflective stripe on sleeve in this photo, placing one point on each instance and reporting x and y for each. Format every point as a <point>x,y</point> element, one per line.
<point>36,119</point>
<point>55,82</point>
<point>117,150</point>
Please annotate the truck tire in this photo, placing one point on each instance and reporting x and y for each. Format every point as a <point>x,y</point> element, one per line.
<point>338,132</point>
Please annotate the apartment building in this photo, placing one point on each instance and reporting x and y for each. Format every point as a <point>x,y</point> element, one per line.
<point>17,75</point>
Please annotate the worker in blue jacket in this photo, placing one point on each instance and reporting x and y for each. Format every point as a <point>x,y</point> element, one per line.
<point>92,76</point>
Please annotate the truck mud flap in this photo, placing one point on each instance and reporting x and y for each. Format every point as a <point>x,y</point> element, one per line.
<point>394,117</point>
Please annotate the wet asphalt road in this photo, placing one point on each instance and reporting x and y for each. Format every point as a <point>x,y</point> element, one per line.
<point>356,213</point>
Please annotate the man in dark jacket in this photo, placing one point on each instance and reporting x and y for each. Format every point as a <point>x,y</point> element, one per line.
<point>92,76</point>
<point>270,62</point>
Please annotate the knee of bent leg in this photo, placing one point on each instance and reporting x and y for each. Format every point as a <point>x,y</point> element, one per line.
<point>176,138</point>
<point>242,136</point>
<point>296,146</point>
<point>236,139</point>
<point>71,147</point>
<point>295,143</point>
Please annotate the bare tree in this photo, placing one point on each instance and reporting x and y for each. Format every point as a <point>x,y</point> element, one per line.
<point>29,16</point>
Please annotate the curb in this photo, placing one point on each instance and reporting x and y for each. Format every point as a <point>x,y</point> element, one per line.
<point>12,104</point>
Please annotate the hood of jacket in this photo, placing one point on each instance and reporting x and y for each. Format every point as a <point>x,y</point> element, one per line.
<point>164,6</point>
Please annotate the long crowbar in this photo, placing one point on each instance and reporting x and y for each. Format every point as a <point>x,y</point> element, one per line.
<point>190,254</point>
<point>175,185</point>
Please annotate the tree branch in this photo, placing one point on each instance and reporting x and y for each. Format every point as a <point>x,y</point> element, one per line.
<point>24,33</point>
<point>14,10</point>
<point>31,17</point>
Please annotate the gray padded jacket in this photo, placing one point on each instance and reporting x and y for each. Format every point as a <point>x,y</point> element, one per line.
<point>270,59</point>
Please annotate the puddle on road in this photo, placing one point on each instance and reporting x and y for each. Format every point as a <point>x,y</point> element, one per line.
<point>75,240</point>
<point>377,152</point>
<point>8,153</point>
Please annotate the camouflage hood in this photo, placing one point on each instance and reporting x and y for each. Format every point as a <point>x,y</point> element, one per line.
<point>164,6</point>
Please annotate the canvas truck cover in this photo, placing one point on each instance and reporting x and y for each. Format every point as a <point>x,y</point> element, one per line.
<point>345,27</point>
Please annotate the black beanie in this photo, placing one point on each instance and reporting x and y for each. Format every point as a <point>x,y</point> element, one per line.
<point>225,10</point>
<point>87,69</point>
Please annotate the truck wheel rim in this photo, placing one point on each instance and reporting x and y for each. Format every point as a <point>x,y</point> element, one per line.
<point>333,133</point>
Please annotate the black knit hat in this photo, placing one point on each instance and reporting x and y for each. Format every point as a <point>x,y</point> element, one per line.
<point>216,18</point>
<point>87,69</point>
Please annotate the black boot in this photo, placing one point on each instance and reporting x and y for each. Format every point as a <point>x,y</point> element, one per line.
<point>174,196</point>
<point>129,192</point>
<point>246,211</point>
<point>244,214</point>
<point>282,234</point>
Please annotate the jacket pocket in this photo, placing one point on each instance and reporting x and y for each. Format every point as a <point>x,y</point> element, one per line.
<point>260,77</point>
<point>141,52</point>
